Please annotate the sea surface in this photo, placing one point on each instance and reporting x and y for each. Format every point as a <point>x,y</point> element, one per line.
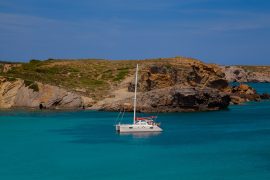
<point>83,145</point>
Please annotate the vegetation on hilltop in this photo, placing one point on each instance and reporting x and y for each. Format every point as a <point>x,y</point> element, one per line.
<point>9,62</point>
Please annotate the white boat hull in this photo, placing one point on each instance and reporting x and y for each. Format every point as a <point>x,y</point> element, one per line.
<point>129,128</point>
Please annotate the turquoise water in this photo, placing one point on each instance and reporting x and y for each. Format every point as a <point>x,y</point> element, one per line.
<point>230,144</point>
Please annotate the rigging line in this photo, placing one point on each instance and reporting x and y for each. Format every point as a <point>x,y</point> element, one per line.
<point>116,120</point>
<point>157,115</point>
<point>122,115</point>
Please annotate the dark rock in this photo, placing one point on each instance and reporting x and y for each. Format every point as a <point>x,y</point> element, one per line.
<point>219,84</point>
<point>265,96</point>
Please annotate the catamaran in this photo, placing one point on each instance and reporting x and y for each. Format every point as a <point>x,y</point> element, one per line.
<point>140,124</point>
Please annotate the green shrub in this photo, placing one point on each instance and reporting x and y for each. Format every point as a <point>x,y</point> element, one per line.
<point>50,70</point>
<point>121,74</point>
<point>34,61</point>
<point>1,68</point>
<point>34,86</point>
<point>11,79</point>
<point>31,85</point>
<point>28,83</point>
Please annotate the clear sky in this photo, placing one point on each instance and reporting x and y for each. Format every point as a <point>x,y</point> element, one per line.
<point>218,31</point>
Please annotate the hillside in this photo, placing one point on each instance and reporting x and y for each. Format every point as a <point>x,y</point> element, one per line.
<point>89,77</point>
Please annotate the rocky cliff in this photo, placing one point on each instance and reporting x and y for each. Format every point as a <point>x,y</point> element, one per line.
<point>20,93</point>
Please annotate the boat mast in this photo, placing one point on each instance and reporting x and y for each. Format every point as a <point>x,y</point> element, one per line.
<point>135,95</point>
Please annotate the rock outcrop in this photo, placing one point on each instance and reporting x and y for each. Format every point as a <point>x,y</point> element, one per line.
<point>16,93</point>
<point>243,93</point>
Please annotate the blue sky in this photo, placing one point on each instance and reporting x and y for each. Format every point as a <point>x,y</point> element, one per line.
<point>216,31</point>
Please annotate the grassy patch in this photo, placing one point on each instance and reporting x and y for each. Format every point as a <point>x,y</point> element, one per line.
<point>11,79</point>
<point>1,68</point>
<point>121,74</point>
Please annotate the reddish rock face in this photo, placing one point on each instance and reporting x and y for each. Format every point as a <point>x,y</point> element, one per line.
<point>196,74</point>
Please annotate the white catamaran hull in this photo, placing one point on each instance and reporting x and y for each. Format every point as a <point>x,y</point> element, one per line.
<point>137,128</point>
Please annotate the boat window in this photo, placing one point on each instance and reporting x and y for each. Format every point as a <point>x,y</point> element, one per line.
<point>130,127</point>
<point>151,127</point>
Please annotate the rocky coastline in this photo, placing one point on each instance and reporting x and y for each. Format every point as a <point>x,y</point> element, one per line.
<point>176,85</point>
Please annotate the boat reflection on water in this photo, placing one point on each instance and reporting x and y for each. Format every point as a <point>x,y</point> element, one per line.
<point>140,134</point>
